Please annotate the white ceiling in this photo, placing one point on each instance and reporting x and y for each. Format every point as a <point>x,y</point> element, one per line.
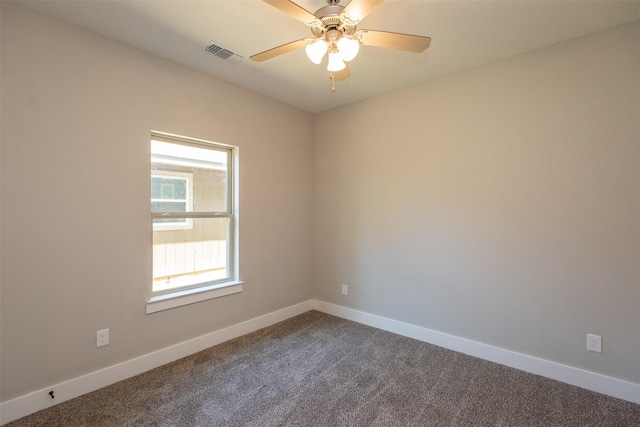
<point>464,34</point>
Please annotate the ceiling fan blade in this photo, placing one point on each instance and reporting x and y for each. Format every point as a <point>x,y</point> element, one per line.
<point>407,42</point>
<point>342,74</point>
<point>292,9</point>
<point>288,47</point>
<point>355,11</point>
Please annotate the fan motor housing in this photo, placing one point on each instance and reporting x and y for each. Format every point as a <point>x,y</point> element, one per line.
<point>330,17</point>
<point>331,11</point>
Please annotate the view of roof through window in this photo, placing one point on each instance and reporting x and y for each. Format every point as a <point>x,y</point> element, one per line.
<point>186,155</point>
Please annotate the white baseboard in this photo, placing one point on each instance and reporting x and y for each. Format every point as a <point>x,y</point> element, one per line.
<point>579,377</point>
<point>24,405</point>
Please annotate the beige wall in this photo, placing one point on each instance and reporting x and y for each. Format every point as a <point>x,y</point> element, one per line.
<point>77,112</point>
<point>499,204</point>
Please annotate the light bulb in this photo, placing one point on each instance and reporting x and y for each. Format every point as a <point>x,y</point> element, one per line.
<point>335,62</point>
<point>348,48</point>
<point>316,50</point>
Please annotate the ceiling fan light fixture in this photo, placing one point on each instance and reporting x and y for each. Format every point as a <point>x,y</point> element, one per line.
<point>316,50</point>
<point>348,48</point>
<point>335,62</point>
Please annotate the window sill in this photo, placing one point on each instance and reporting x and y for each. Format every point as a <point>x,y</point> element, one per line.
<point>190,296</point>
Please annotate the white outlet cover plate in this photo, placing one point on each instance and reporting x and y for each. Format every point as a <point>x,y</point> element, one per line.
<point>594,343</point>
<point>102,337</point>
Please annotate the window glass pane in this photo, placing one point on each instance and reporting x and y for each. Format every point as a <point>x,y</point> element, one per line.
<point>207,166</point>
<point>191,257</point>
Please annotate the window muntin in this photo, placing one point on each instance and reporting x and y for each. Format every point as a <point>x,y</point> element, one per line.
<point>192,214</point>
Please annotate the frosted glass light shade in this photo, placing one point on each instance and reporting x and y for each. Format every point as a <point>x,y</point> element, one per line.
<point>316,50</point>
<point>348,48</point>
<point>335,62</point>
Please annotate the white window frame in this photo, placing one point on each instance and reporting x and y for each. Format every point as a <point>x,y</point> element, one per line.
<point>159,301</point>
<point>187,224</point>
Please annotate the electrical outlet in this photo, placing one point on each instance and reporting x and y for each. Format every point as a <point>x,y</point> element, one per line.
<point>102,337</point>
<point>594,343</point>
<point>345,290</point>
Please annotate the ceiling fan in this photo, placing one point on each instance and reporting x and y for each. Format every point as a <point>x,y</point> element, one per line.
<point>334,31</point>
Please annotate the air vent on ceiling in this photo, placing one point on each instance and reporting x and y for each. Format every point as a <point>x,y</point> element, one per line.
<point>219,51</point>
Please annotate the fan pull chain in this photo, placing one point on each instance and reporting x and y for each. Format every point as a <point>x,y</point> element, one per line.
<point>333,82</point>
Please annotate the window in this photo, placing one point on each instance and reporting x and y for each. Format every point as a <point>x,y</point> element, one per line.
<point>193,213</point>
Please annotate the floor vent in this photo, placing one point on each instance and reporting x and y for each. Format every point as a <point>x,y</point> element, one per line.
<point>221,52</point>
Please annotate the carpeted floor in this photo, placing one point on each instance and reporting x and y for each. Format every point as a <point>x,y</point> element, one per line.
<point>320,370</point>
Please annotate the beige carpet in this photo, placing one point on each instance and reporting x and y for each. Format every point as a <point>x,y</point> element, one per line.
<point>319,370</point>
